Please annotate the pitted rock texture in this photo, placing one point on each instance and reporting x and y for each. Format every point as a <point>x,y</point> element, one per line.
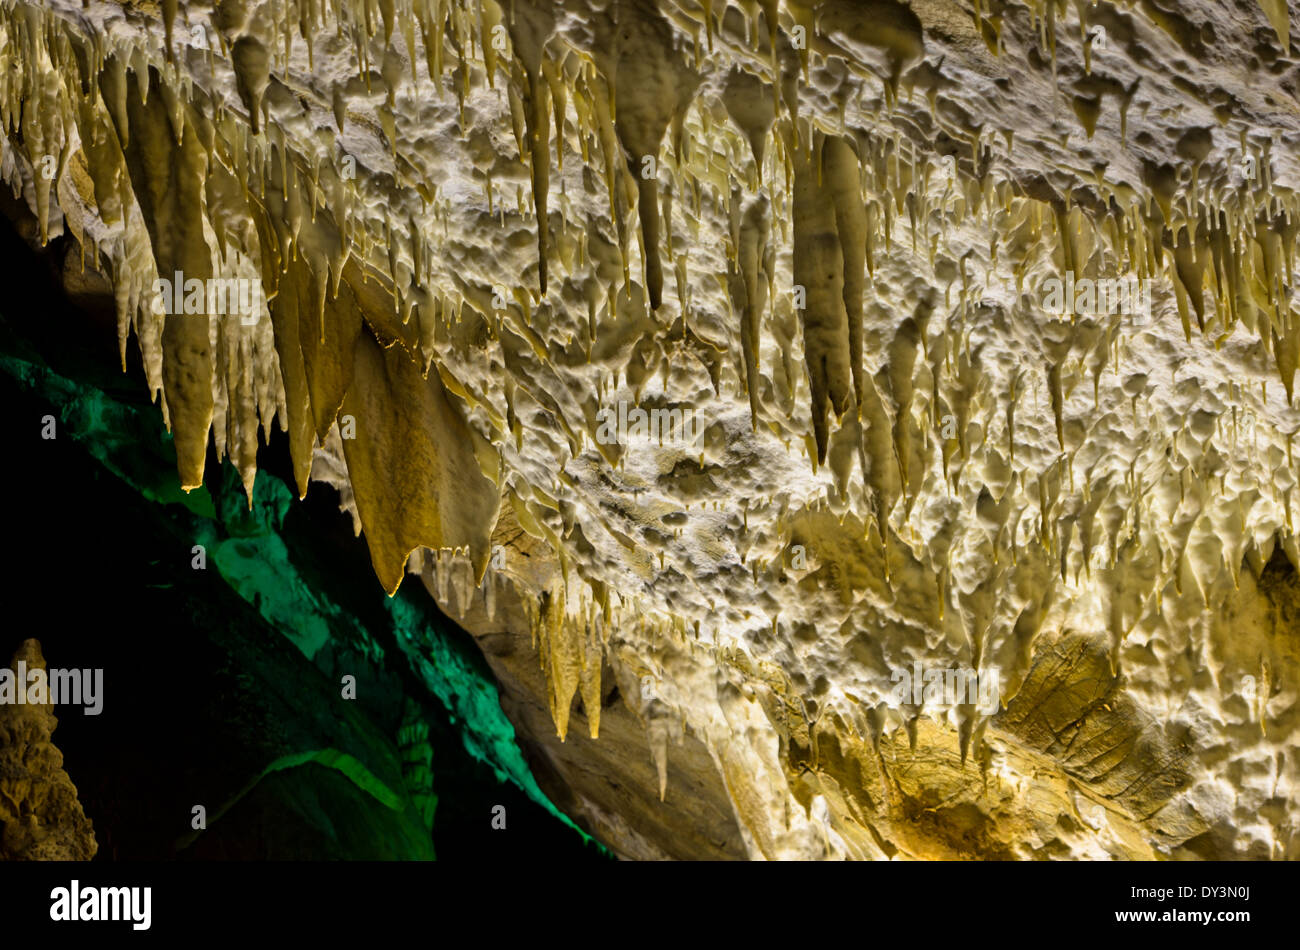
<point>825,231</point>
<point>40,816</point>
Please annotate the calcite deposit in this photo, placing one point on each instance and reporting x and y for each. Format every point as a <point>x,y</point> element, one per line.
<point>826,231</point>
<point>40,817</point>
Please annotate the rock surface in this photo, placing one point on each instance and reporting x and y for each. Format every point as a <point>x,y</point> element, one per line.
<point>40,817</point>
<point>827,232</point>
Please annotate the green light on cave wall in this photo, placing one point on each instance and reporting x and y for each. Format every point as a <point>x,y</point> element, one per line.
<point>250,554</point>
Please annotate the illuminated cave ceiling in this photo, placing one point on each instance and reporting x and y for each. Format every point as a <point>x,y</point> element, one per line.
<point>467,256</point>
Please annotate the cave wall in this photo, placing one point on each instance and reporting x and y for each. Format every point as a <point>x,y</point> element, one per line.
<point>826,231</point>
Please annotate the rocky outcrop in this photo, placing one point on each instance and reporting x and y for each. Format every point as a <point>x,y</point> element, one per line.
<point>990,326</point>
<point>40,816</point>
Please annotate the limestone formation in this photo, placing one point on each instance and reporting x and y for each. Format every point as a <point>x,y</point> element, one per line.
<point>40,817</point>
<point>883,251</point>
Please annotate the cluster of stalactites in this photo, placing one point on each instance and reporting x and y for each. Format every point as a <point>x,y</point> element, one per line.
<point>1232,241</point>
<point>180,183</point>
<point>175,184</point>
